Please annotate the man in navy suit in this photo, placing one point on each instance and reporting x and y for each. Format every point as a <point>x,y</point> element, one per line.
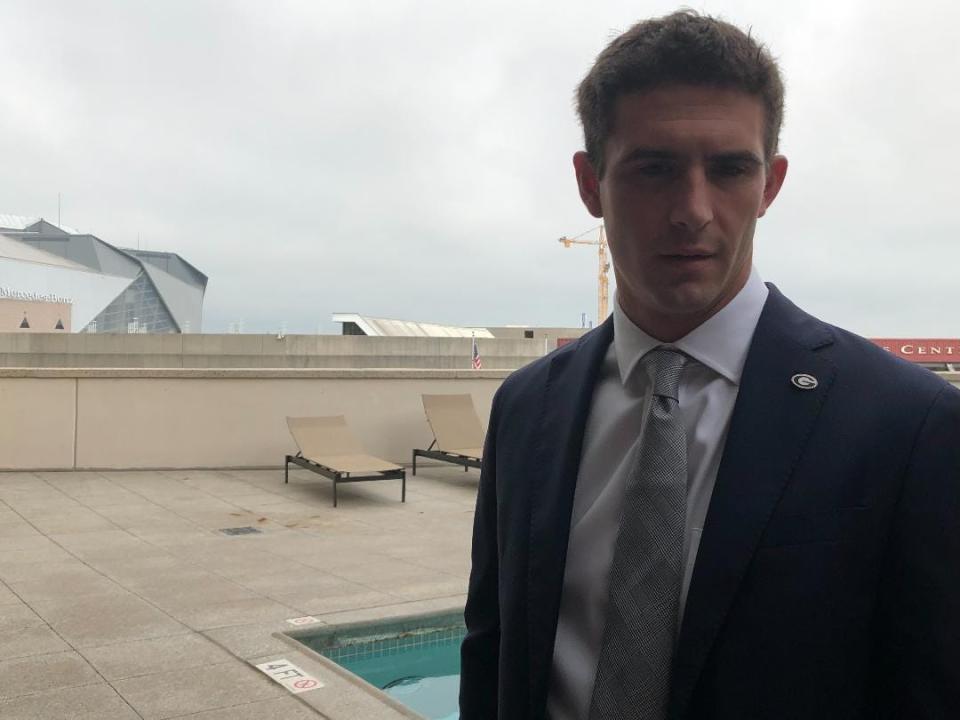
<point>818,574</point>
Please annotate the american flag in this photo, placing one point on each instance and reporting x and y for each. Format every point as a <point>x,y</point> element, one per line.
<point>477,364</point>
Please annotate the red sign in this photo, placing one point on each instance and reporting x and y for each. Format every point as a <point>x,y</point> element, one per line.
<point>922,350</point>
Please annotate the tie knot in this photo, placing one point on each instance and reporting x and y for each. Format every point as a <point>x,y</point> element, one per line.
<point>665,365</point>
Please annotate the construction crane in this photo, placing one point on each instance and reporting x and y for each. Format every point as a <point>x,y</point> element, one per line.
<point>603,284</point>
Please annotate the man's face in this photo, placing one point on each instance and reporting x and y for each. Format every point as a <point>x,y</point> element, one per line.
<point>683,185</point>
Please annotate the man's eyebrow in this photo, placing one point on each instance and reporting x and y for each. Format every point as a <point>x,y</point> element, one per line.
<point>649,154</point>
<point>738,156</point>
<point>642,153</point>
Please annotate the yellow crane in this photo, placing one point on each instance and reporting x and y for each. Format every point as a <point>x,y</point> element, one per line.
<point>603,284</point>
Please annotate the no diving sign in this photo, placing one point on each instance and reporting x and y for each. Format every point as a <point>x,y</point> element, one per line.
<point>290,676</point>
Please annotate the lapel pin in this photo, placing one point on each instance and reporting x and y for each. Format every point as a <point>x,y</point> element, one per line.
<point>804,381</point>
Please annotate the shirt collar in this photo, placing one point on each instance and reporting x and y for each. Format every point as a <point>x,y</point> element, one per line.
<point>721,343</point>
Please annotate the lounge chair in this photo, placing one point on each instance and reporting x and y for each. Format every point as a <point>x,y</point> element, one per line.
<point>457,433</point>
<point>329,448</point>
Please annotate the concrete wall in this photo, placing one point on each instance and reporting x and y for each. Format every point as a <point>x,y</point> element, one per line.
<point>126,419</point>
<point>260,351</point>
<point>37,422</point>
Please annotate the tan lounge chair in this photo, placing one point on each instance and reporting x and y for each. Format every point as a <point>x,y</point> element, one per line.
<point>457,432</point>
<point>329,448</point>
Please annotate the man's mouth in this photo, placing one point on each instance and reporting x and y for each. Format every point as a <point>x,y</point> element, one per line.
<point>688,256</point>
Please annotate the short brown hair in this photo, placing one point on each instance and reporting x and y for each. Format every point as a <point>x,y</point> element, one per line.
<point>683,48</point>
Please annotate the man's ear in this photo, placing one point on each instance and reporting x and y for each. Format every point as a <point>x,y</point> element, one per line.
<point>773,182</point>
<point>588,183</point>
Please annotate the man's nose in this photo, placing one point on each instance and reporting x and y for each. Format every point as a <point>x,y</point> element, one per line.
<point>691,207</point>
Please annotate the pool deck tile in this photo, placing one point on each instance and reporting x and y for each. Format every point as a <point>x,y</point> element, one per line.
<point>16,616</point>
<point>251,641</point>
<point>39,673</point>
<point>145,657</point>
<point>235,612</point>
<point>178,692</point>
<point>7,596</point>
<point>89,702</point>
<point>30,641</point>
<point>318,604</point>
<point>100,620</point>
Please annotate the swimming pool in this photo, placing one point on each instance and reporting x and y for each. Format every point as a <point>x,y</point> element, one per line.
<point>414,660</point>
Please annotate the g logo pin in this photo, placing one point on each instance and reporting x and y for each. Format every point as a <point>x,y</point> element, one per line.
<point>804,381</point>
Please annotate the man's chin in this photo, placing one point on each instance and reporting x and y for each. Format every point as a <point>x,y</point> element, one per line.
<point>688,302</point>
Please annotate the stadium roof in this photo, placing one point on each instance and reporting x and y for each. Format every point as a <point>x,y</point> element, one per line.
<point>17,250</point>
<point>170,263</point>
<point>22,222</point>
<point>384,327</point>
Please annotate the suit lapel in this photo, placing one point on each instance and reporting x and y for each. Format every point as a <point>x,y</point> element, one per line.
<point>566,405</point>
<point>771,422</point>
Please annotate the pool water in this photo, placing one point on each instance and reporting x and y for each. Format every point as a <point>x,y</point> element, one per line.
<point>415,661</point>
<point>425,678</point>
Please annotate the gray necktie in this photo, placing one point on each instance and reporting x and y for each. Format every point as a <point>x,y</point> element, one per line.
<point>633,672</point>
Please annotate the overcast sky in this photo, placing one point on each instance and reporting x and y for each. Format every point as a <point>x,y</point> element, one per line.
<point>412,159</point>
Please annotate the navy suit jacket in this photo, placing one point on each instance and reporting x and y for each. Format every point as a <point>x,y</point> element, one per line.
<point>827,581</point>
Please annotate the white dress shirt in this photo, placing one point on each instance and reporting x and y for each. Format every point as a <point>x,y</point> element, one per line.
<point>707,393</point>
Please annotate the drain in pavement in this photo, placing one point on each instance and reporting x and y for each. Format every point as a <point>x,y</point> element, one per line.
<point>240,531</point>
